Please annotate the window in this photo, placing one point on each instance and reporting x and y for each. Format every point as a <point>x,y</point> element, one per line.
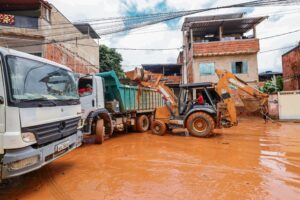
<point>36,54</point>
<point>207,68</point>
<point>85,86</point>
<point>240,67</point>
<point>32,80</point>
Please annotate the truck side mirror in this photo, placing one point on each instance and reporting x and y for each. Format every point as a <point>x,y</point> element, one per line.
<point>1,100</point>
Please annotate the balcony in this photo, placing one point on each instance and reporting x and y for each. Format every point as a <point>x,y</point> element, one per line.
<point>242,46</point>
<point>19,21</point>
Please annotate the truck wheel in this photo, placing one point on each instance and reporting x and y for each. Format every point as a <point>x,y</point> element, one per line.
<point>158,127</point>
<point>151,119</point>
<point>99,131</point>
<point>200,124</point>
<point>142,123</point>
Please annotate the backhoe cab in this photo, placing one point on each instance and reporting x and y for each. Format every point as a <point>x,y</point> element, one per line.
<point>190,115</point>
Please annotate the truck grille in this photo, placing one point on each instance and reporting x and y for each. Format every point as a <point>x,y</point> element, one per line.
<point>47,133</point>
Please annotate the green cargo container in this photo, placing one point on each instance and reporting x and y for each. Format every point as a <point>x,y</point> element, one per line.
<point>131,98</point>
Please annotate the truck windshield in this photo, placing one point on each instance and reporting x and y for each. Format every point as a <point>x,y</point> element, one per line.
<point>33,80</point>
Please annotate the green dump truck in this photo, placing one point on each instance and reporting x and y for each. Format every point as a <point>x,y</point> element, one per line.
<point>109,106</point>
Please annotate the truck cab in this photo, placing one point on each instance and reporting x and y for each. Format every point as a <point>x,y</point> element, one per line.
<point>40,112</point>
<point>95,118</point>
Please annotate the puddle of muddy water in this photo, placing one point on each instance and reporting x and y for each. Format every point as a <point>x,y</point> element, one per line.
<point>251,161</point>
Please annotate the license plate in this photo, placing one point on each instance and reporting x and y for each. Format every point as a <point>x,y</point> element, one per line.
<point>62,146</point>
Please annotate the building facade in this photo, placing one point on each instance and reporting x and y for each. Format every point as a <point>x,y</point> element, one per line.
<point>38,28</point>
<point>172,74</point>
<point>291,69</point>
<point>219,42</point>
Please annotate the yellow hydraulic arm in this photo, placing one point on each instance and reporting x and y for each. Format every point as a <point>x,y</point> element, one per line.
<point>222,88</point>
<point>156,81</point>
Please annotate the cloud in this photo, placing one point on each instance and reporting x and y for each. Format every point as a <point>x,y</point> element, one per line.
<point>163,35</point>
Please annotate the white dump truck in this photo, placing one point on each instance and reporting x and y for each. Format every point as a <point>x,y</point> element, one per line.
<point>40,112</point>
<point>110,106</point>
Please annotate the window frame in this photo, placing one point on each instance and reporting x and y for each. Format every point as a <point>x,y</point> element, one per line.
<point>241,61</point>
<point>206,74</point>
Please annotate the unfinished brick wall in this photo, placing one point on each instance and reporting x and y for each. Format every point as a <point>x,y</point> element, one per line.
<point>59,54</point>
<point>291,69</point>
<point>226,47</point>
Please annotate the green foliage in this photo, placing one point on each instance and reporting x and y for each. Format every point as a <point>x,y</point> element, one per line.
<point>269,87</point>
<point>110,60</point>
<point>279,83</point>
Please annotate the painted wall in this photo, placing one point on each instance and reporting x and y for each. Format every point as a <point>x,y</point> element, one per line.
<point>84,52</point>
<point>224,62</point>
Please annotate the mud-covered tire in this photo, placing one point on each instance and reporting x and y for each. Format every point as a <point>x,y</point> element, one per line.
<point>158,127</point>
<point>200,124</point>
<point>99,132</point>
<point>151,119</point>
<point>142,123</point>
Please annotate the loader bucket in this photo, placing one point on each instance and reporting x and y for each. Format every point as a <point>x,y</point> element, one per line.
<point>251,104</point>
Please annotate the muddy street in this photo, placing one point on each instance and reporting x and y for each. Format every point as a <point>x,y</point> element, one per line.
<point>250,161</point>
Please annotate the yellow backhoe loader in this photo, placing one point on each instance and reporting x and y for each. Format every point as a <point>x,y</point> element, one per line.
<point>185,114</point>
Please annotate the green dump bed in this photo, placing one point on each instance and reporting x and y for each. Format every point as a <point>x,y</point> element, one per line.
<point>130,98</point>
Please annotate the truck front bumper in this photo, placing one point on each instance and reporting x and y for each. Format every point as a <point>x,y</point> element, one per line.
<point>30,159</point>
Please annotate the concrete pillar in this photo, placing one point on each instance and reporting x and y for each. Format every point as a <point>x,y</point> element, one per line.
<point>184,71</point>
<point>192,38</point>
<point>254,31</point>
<point>220,32</point>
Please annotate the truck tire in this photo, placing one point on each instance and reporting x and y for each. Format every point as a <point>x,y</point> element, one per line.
<point>142,123</point>
<point>99,131</point>
<point>200,124</point>
<point>151,119</point>
<point>158,127</point>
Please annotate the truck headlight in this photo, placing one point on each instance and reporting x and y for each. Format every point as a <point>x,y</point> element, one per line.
<point>16,165</point>
<point>28,137</point>
<point>80,124</point>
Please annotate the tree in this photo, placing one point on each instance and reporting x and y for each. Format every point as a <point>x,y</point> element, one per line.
<point>110,60</point>
<point>273,86</point>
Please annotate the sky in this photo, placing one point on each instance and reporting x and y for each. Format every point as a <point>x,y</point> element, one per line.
<point>168,34</point>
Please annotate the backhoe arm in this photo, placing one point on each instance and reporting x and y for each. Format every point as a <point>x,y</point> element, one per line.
<point>222,88</point>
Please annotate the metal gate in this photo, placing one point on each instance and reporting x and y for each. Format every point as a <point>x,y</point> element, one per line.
<point>289,105</point>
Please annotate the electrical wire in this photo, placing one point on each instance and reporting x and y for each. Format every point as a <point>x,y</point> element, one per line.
<point>157,17</point>
<point>281,48</point>
<point>264,2</point>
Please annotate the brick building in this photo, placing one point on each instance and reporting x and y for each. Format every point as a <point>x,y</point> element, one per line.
<point>38,28</point>
<point>172,73</point>
<point>291,69</point>
<point>220,42</point>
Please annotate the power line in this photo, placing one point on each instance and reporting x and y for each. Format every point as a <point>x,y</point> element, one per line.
<point>261,52</point>
<point>136,49</point>
<point>235,5</point>
<point>179,27</point>
<point>287,33</point>
<point>281,48</point>
<point>142,20</point>
<point>67,33</point>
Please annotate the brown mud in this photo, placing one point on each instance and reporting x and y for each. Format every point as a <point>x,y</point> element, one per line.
<point>251,161</point>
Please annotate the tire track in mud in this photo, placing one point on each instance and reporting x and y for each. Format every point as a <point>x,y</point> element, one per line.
<point>55,188</point>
